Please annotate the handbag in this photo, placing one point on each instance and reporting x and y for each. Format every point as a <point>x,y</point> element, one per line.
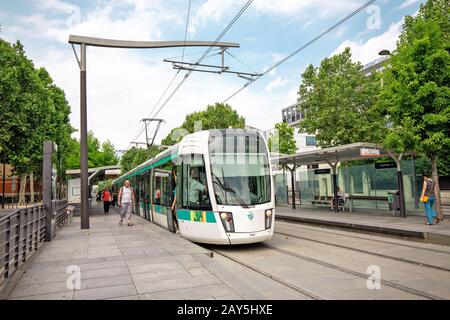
<point>424,199</point>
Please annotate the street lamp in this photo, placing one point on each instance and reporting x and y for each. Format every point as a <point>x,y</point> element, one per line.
<point>384,52</point>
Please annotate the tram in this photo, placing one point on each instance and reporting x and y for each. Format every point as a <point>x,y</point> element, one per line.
<point>222,181</point>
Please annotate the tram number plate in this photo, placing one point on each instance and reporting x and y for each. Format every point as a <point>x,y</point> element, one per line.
<point>252,234</point>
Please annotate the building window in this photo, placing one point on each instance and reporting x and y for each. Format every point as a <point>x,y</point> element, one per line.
<point>311,141</point>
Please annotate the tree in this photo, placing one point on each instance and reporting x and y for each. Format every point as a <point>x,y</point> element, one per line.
<point>217,116</point>
<point>105,184</point>
<point>32,109</point>
<point>99,154</point>
<point>337,100</point>
<point>135,156</point>
<point>416,94</point>
<point>282,141</point>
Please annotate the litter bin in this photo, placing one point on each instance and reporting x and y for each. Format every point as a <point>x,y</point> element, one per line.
<point>394,201</point>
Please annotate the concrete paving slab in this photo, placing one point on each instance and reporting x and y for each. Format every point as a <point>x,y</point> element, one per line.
<point>105,292</point>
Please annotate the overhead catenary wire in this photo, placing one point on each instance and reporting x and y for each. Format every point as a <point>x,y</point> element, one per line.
<point>142,128</point>
<point>188,73</point>
<point>242,62</point>
<point>186,29</point>
<point>321,35</point>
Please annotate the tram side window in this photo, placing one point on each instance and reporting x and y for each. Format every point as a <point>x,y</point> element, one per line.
<point>141,188</point>
<point>161,189</point>
<point>157,190</point>
<point>193,187</point>
<point>165,191</point>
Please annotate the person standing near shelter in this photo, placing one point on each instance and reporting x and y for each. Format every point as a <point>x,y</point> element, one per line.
<point>428,197</point>
<point>106,198</point>
<point>126,201</point>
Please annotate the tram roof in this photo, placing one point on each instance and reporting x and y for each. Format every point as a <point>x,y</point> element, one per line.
<point>158,157</point>
<point>347,152</point>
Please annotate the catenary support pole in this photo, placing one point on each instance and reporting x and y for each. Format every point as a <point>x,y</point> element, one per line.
<point>83,142</point>
<point>47,188</point>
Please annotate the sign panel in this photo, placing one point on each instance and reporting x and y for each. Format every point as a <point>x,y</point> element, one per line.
<point>369,152</point>
<point>385,165</point>
<point>322,171</point>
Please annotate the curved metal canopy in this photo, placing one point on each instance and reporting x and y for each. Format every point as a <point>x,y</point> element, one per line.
<point>128,44</point>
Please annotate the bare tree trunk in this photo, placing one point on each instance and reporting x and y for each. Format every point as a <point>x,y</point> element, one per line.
<point>31,187</point>
<point>435,176</point>
<point>23,184</point>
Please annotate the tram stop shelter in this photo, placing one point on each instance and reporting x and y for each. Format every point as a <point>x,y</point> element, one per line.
<point>332,156</point>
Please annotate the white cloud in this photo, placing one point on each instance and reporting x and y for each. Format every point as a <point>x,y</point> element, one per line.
<point>142,22</point>
<point>215,10</point>
<point>123,85</point>
<point>341,31</point>
<point>407,3</point>
<point>275,84</point>
<point>365,52</point>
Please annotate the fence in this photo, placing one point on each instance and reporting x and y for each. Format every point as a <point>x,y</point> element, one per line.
<point>21,233</point>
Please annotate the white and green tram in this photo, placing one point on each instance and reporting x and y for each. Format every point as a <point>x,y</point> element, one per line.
<point>223,185</point>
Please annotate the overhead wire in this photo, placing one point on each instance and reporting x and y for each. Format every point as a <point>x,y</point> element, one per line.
<point>142,128</point>
<point>208,50</point>
<point>321,35</point>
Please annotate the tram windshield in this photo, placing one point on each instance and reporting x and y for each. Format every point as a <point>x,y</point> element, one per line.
<point>239,168</point>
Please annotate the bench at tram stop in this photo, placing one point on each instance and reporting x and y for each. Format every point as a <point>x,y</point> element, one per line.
<point>364,197</point>
<point>318,201</point>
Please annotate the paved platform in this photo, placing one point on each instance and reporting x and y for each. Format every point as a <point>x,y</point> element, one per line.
<point>143,261</point>
<point>377,222</point>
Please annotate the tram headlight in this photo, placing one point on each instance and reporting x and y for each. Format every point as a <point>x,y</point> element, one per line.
<point>268,218</point>
<point>227,221</point>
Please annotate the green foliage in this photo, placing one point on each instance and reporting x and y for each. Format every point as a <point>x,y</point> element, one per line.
<point>416,93</point>
<point>217,116</point>
<point>135,156</point>
<point>32,109</point>
<point>105,184</point>
<point>282,141</point>
<point>337,100</point>
<point>99,154</point>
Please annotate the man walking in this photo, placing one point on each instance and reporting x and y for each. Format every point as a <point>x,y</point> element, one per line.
<point>126,201</point>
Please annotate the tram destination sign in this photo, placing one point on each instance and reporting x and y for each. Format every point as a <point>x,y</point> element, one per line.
<point>322,171</point>
<point>385,165</point>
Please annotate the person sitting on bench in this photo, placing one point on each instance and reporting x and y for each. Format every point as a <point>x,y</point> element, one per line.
<point>341,199</point>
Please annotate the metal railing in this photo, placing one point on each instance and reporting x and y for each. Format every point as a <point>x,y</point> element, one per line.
<point>21,233</point>
<point>60,212</point>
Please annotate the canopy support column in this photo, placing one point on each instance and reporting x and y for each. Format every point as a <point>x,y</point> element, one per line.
<point>334,178</point>
<point>401,194</point>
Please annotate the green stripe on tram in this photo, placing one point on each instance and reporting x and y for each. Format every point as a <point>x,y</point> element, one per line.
<point>160,209</point>
<point>196,215</point>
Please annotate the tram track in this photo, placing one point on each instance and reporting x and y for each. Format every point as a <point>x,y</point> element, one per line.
<point>297,225</point>
<point>307,293</point>
<point>304,292</point>
<point>354,273</point>
<point>422,264</point>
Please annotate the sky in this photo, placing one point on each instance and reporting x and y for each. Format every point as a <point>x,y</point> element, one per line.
<point>124,85</point>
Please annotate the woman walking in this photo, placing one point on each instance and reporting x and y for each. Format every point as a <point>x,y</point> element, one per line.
<point>106,197</point>
<point>428,198</point>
